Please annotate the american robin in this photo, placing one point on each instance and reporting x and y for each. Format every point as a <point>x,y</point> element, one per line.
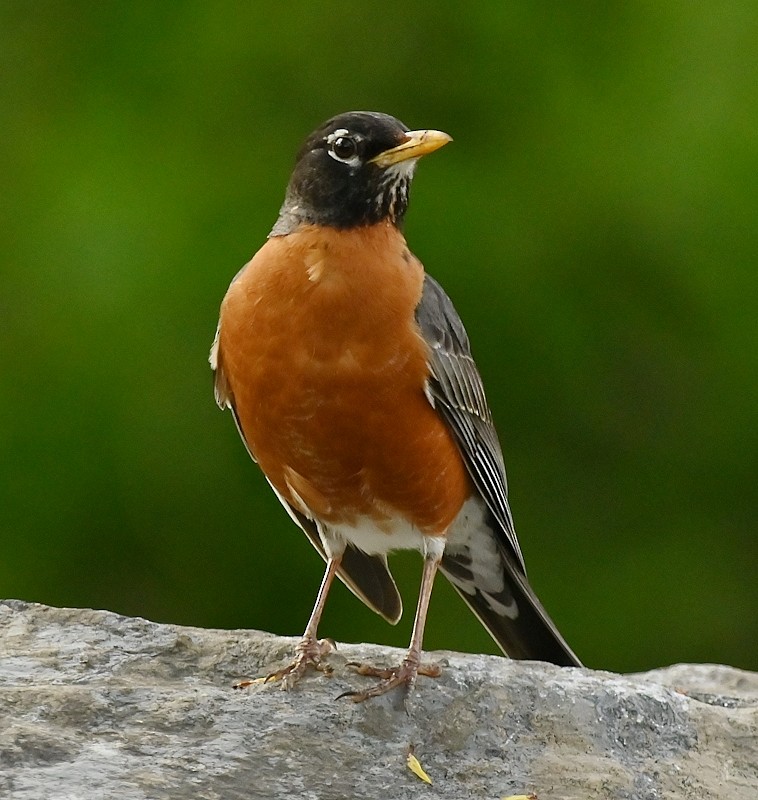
<point>350,378</point>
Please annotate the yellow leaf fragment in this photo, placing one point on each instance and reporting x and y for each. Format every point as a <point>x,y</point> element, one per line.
<point>520,797</point>
<point>414,765</point>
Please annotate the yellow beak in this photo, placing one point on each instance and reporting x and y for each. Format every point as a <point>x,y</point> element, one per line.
<point>417,144</point>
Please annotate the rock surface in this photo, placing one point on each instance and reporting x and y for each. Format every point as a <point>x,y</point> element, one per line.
<point>94,705</point>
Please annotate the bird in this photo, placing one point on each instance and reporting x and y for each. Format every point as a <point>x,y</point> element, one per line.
<point>352,383</point>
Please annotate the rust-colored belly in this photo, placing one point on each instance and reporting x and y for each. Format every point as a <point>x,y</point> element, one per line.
<point>326,368</point>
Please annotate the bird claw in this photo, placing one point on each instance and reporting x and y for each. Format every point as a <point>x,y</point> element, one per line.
<point>391,678</point>
<point>430,670</point>
<point>308,655</point>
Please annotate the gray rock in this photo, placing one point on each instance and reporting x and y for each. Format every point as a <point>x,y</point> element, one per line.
<point>94,705</point>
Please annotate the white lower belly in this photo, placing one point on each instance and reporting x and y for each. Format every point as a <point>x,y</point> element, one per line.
<point>378,538</point>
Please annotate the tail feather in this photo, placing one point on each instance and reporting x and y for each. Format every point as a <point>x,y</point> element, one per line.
<point>496,589</point>
<point>530,635</point>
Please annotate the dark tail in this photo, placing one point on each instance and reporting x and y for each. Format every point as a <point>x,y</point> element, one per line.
<point>504,602</point>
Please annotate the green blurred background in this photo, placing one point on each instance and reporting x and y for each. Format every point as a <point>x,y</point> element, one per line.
<point>595,222</point>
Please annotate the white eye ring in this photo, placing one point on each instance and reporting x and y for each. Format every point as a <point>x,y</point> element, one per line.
<point>343,147</point>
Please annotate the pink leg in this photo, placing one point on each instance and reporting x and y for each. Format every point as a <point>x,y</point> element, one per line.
<point>405,674</point>
<point>309,650</point>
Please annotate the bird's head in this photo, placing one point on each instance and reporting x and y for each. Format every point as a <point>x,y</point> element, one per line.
<point>354,170</point>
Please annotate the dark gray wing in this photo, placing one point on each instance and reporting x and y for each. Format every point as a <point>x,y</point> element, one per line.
<point>456,391</point>
<point>497,591</point>
<point>368,577</point>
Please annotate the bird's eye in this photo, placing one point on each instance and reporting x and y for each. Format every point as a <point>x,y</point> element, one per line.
<point>344,147</point>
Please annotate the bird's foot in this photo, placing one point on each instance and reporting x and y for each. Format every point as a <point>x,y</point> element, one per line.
<point>309,654</point>
<point>404,675</point>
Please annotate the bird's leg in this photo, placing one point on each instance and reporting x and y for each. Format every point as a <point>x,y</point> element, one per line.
<point>411,666</point>
<point>309,650</point>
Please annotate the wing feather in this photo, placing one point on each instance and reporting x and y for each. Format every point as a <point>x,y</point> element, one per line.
<point>496,590</point>
<point>457,392</point>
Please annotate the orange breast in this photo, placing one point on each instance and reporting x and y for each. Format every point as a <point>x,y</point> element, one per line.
<point>326,368</point>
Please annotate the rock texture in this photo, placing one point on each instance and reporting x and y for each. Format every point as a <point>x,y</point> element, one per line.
<point>94,705</point>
